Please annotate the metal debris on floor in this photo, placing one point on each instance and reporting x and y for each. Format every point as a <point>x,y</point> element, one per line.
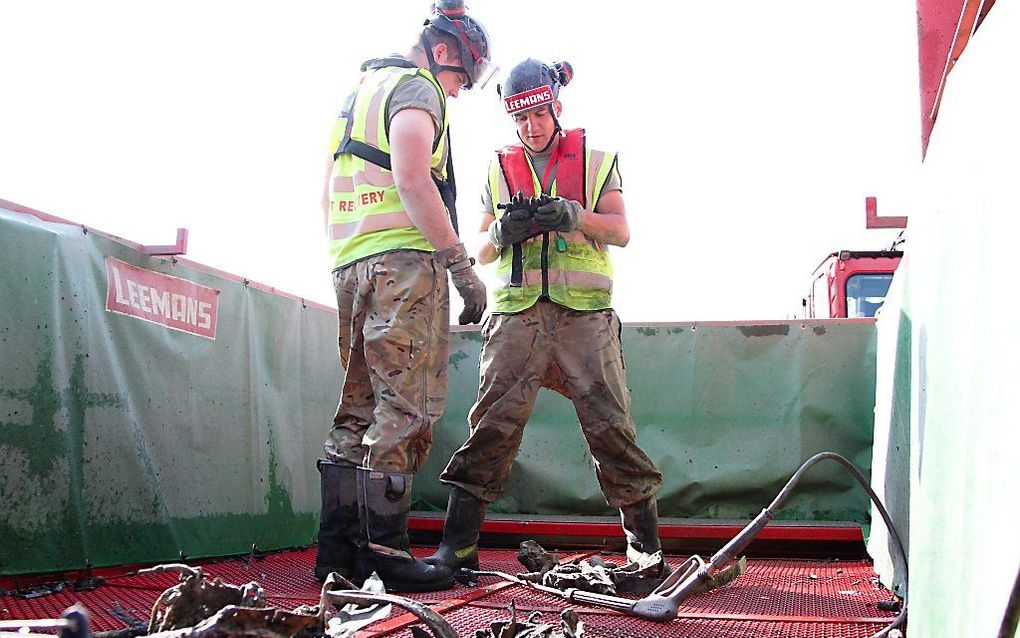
<point>594,573</point>
<point>569,626</point>
<point>200,608</point>
<point>773,597</point>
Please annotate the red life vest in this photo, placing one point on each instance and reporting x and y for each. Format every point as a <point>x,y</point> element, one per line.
<point>567,268</point>
<point>569,160</point>
<point>570,168</point>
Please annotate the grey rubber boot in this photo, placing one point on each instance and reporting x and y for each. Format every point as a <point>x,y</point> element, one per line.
<point>641,526</point>
<point>338,522</point>
<point>459,547</point>
<point>384,504</point>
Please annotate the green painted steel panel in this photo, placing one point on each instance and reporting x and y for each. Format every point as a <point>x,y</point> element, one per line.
<point>947,441</point>
<point>947,445</point>
<point>953,335</point>
<point>124,441</point>
<point>727,411</point>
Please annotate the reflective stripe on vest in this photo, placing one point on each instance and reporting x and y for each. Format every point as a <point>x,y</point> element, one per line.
<point>581,276</point>
<point>366,216</point>
<point>567,277</point>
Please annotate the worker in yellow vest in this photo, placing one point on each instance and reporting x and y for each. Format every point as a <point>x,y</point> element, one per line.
<point>553,325</point>
<point>389,200</point>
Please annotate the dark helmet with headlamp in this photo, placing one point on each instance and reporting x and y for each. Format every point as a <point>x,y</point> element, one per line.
<point>533,84</point>
<point>475,48</point>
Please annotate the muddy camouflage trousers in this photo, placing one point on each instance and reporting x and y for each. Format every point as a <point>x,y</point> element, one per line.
<point>394,337</point>
<point>579,355</point>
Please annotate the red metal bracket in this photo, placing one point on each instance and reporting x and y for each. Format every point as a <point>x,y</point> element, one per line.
<point>179,248</point>
<point>874,221</point>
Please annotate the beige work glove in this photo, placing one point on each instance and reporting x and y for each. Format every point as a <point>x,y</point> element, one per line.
<point>469,286</point>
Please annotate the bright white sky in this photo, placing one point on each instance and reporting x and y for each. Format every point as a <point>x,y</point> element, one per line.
<point>749,132</point>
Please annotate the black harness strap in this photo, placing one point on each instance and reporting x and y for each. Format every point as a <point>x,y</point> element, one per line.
<point>516,250</point>
<point>517,266</point>
<point>370,154</point>
<point>447,188</point>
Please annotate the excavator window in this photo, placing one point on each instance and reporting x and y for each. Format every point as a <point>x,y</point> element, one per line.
<point>865,293</point>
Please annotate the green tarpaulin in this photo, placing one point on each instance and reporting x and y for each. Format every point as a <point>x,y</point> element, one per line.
<point>123,439</point>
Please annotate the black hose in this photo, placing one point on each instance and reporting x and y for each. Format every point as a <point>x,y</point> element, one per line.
<point>899,556</point>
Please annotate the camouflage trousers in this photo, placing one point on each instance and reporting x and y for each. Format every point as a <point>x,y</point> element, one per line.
<point>394,337</point>
<point>579,355</point>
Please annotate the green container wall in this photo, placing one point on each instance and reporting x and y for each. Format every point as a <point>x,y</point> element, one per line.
<point>123,441</point>
<point>947,435</point>
<point>727,411</point>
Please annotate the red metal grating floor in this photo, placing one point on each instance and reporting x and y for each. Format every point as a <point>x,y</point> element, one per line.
<point>788,598</point>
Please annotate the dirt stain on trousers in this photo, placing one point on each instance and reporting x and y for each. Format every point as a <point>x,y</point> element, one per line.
<point>394,340</point>
<point>578,354</point>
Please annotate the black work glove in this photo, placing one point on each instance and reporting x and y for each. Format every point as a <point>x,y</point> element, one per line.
<point>547,215</point>
<point>518,221</point>
<point>516,225</point>
<point>560,214</point>
<point>469,286</point>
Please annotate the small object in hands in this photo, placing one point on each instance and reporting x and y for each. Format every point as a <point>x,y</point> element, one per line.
<point>517,202</point>
<point>519,221</point>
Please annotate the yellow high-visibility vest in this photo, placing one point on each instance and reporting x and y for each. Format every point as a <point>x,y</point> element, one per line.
<point>366,216</point>
<point>570,269</point>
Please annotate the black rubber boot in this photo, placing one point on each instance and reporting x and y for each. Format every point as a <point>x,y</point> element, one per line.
<point>641,526</point>
<point>338,523</point>
<point>384,504</point>
<point>464,516</point>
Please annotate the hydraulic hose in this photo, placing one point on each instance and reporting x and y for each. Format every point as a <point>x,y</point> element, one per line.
<point>662,604</point>
<point>744,538</point>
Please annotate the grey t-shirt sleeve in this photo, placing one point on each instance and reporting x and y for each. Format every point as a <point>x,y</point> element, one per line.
<point>488,206</point>
<point>613,182</point>
<point>418,93</point>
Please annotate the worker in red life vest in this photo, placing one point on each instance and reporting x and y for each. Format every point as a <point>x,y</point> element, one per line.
<point>389,200</point>
<point>553,325</point>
